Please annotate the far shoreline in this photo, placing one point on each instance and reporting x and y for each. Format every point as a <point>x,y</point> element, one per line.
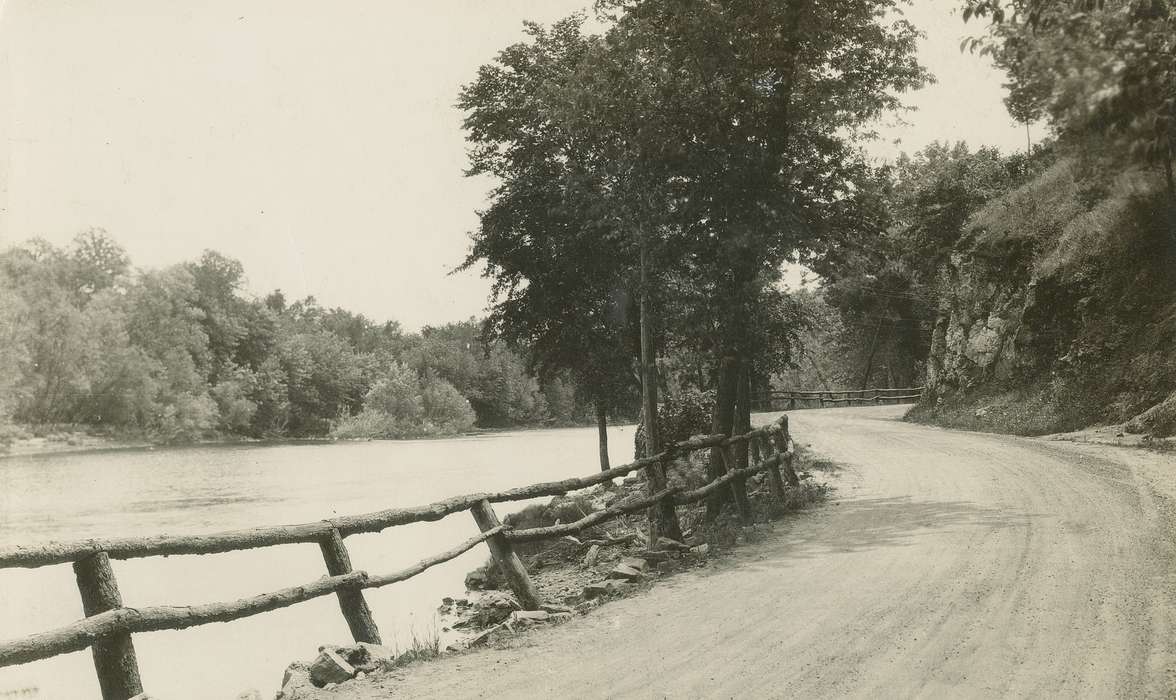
<point>74,442</point>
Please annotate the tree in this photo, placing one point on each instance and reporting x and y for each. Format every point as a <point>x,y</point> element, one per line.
<point>324,381</point>
<point>734,124</point>
<point>14,357</point>
<point>1094,67</point>
<point>695,138</point>
<point>98,262</point>
<point>558,292</point>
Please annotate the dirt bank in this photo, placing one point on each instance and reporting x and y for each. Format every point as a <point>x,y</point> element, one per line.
<point>948,564</point>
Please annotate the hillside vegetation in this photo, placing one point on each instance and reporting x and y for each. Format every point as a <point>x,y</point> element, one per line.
<point>1057,308</point>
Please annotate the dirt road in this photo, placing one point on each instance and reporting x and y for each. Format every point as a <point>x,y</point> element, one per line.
<point>947,565</point>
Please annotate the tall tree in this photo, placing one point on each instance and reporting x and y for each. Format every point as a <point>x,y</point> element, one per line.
<point>694,136</point>
<point>727,127</point>
<point>561,287</point>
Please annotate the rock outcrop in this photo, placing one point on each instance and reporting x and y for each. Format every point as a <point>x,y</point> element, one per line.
<point>1058,309</point>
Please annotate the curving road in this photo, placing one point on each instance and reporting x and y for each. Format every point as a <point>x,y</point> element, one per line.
<point>947,564</point>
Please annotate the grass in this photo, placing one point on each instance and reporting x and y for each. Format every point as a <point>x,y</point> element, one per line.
<point>423,647</point>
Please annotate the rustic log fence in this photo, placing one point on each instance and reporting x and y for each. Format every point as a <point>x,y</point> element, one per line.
<point>108,625</point>
<point>790,400</point>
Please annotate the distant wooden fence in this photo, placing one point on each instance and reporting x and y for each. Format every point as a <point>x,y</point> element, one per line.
<point>789,400</point>
<point>108,624</point>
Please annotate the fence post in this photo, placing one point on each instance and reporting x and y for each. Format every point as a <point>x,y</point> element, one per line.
<point>738,486</point>
<point>757,455</point>
<point>504,555</point>
<point>351,601</point>
<point>781,438</point>
<point>114,655</point>
<point>775,483</point>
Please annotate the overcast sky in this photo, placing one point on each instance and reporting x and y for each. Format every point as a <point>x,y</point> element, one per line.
<point>316,142</point>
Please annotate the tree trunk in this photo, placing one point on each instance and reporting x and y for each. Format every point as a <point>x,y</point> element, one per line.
<point>741,425</point>
<point>742,420</point>
<point>663,519</point>
<point>722,420</point>
<point>870,357</point>
<point>1171,179</point>
<point>602,434</point>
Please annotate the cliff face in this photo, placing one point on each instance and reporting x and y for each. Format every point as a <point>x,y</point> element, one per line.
<point>1058,309</point>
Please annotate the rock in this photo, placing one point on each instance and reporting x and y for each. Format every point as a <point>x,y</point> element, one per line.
<point>561,617</point>
<point>555,609</point>
<point>634,563</point>
<point>656,555</point>
<point>529,615</point>
<point>476,580</point>
<point>701,550</point>
<point>627,573</point>
<point>487,634</point>
<point>329,667</point>
<point>491,608</point>
<point>592,555</point>
<point>251,694</point>
<point>369,657</point>
<point>672,545</point>
<point>667,566</point>
<point>611,587</point>
<point>296,683</point>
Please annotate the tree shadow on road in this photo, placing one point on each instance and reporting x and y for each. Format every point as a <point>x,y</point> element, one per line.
<point>845,526</point>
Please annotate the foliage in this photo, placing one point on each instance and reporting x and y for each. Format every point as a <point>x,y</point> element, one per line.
<point>681,416</point>
<point>883,276</point>
<point>557,290</point>
<point>403,404</point>
<point>1093,67</point>
<point>183,353</point>
<point>711,141</point>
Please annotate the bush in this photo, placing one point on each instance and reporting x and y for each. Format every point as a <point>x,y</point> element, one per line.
<point>403,404</point>
<point>680,417</point>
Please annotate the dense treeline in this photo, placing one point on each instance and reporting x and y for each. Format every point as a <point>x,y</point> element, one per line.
<point>183,353</point>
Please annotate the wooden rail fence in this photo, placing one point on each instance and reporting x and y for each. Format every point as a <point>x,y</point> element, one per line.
<point>108,625</point>
<point>789,399</point>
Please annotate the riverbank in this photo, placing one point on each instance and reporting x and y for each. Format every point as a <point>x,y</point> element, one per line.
<point>27,441</point>
<point>30,440</point>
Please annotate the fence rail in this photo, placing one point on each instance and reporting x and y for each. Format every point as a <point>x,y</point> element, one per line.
<point>790,399</point>
<point>108,625</point>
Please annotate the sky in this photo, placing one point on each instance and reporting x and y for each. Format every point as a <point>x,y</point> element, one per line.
<point>318,143</point>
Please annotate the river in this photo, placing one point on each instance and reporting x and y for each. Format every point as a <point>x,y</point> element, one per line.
<point>207,489</point>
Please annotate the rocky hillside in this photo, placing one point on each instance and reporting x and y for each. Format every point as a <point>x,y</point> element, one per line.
<point>1058,309</point>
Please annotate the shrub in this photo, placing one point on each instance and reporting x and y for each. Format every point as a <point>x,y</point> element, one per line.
<point>403,404</point>
<point>680,417</point>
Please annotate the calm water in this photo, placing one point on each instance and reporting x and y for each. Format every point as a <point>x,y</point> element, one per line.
<point>206,489</point>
